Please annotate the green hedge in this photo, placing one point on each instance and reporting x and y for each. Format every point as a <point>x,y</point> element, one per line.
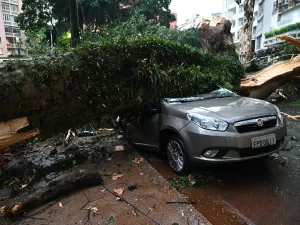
<point>281,30</point>
<point>149,67</point>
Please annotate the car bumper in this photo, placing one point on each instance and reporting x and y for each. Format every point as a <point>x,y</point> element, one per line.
<point>232,146</point>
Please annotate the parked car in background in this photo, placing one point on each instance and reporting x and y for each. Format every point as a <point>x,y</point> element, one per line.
<point>218,127</point>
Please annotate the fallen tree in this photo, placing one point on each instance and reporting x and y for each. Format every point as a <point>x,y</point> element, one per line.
<point>263,83</point>
<point>56,93</point>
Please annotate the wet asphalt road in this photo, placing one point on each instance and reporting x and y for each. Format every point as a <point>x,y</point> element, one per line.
<point>260,192</point>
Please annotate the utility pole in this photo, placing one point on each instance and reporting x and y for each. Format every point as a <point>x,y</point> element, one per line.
<point>74,19</point>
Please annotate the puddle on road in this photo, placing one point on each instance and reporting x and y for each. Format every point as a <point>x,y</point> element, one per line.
<point>247,193</point>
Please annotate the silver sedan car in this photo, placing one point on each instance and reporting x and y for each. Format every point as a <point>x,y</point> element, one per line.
<point>217,127</point>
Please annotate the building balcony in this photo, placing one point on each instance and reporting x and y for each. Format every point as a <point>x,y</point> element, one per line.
<point>287,5</point>
<point>16,2</point>
<point>9,34</point>
<point>11,45</point>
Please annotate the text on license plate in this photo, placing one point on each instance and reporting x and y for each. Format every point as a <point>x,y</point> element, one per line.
<point>262,141</point>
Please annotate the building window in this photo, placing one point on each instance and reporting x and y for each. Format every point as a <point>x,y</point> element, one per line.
<point>258,42</point>
<point>279,18</point>
<point>14,30</point>
<point>5,6</point>
<point>6,17</point>
<point>241,21</point>
<point>241,8</point>
<point>11,40</point>
<point>254,30</point>
<point>233,23</point>
<point>1,51</point>
<point>14,8</point>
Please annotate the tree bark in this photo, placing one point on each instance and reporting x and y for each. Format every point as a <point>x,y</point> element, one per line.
<point>246,53</point>
<point>62,185</point>
<point>74,19</point>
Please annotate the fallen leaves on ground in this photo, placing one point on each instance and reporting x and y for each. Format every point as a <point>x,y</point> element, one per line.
<point>192,179</point>
<point>138,160</point>
<point>120,137</point>
<point>119,191</point>
<point>119,148</point>
<point>93,209</point>
<point>60,204</point>
<point>103,190</point>
<point>117,176</point>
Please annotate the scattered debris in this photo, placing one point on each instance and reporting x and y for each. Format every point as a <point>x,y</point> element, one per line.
<point>117,176</point>
<point>60,204</point>
<point>138,160</point>
<point>93,209</point>
<point>119,148</point>
<point>134,213</point>
<point>53,152</point>
<point>85,133</point>
<point>106,129</point>
<point>67,139</point>
<point>119,191</point>
<point>23,186</point>
<point>192,179</point>
<point>291,117</point>
<point>103,190</point>
<point>120,137</point>
<point>132,187</point>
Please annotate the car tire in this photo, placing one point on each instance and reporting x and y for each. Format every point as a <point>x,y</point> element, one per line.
<point>176,156</point>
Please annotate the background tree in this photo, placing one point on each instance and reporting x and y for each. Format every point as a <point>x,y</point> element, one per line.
<point>245,32</point>
<point>40,13</point>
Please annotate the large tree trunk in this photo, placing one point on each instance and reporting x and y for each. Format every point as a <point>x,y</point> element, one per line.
<point>246,53</point>
<point>74,18</point>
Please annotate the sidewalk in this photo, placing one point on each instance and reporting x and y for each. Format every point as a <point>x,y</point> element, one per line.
<point>144,205</point>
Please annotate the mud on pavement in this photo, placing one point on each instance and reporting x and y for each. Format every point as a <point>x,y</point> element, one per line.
<point>144,196</point>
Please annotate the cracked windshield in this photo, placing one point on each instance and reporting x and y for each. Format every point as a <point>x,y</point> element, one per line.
<point>139,112</point>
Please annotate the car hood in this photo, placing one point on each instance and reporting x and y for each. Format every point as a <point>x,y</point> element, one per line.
<point>230,109</point>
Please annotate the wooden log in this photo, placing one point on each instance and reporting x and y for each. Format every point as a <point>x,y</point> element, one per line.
<point>10,132</point>
<point>62,185</point>
<point>291,40</point>
<point>263,83</point>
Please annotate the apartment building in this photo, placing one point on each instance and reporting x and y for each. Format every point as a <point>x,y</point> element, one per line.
<point>269,16</point>
<point>192,22</point>
<point>10,34</point>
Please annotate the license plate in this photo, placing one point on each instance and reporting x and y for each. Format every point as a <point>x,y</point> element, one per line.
<point>259,142</point>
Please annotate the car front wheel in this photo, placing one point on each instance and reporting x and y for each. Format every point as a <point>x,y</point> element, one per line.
<point>177,157</point>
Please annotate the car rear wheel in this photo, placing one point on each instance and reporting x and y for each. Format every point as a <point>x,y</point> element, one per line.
<point>176,155</point>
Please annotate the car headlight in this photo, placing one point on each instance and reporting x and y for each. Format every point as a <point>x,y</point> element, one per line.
<point>280,116</point>
<point>208,123</point>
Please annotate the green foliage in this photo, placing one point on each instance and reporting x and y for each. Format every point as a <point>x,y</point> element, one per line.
<point>282,50</point>
<point>281,30</point>
<point>64,41</point>
<point>137,26</point>
<point>37,14</point>
<point>139,70</point>
<point>180,183</point>
<point>36,43</point>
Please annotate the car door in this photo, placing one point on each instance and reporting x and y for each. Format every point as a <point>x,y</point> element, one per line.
<point>144,130</point>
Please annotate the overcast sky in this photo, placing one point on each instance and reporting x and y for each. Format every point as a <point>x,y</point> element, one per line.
<point>186,8</point>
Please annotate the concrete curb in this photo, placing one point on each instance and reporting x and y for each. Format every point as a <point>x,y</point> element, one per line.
<point>192,216</point>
